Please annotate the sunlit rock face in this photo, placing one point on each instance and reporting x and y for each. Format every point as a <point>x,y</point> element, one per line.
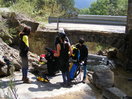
<point>13,56</point>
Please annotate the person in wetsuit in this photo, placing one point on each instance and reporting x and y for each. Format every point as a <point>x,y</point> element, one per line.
<point>63,53</point>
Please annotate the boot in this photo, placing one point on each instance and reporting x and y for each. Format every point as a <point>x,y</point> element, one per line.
<point>84,80</point>
<point>26,80</point>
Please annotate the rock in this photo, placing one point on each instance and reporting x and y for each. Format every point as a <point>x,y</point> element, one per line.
<point>112,54</point>
<point>1,61</point>
<point>32,24</point>
<point>100,52</point>
<point>100,68</point>
<point>95,59</point>
<point>113,93</point>
<point>16,64</point>
<point>13,56</point>
<point>33,57</point>
<point>3,70</point>
<point>39,69</point>
<point>103,77</point>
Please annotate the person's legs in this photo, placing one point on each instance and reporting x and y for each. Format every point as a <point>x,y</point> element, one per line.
<point>84,72</point>
<point>25,69</point>
<point>68,78</point>
<point>64,77</point>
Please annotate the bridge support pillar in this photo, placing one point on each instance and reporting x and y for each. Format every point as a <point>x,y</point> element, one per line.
<point>128,45</point>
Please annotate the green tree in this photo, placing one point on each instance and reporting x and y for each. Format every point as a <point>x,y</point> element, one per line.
<point>118,7</point>
<point>99,8</point>
<point>68,7</point>
<point>84,11</point>
<point>107,7</point>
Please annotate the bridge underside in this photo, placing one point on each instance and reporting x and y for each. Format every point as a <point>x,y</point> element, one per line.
<point>42,39</point>
<point>106,38</point>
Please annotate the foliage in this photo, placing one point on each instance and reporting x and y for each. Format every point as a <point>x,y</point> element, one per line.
<point>7,3</point>
<point>68,7</point>
<point>84,11</point>
<point>118,7</point>
<point>23,7</point>
<point>4,32</point>
<point>11,92</point>
<point>98,47</point>
<point>100,7</point>
<point>13,32</point>
<point>107,7</point>
<point>41,9</point>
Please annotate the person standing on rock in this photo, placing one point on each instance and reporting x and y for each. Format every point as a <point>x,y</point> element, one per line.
<point>83,56</point>
<point>63,53</point>
<point>24,48</point>
<point>61,32</point>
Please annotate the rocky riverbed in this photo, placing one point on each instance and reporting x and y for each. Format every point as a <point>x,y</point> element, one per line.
<point>51,90</point>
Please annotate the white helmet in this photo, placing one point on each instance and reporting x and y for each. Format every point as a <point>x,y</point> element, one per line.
<point>61,30</point>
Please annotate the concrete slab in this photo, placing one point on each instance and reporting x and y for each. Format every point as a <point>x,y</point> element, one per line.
<point>52,90</point>
<point>88,27</point>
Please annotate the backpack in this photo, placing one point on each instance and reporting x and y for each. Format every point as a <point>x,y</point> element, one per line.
<point>76,54</point>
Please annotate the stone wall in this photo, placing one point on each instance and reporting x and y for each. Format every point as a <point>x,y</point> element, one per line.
<point>108,38</point>
<point>40,40</point>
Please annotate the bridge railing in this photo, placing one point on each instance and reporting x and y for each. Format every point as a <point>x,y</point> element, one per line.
<point>92,19</point>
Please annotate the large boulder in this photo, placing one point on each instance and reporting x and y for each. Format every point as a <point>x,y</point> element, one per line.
<point>103,77</point>
<point>3,70</point>
<point>13,56</point>
<point>34,25</point>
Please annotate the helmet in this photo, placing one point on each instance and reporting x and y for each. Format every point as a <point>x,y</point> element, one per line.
<point>81,40</point>
<point>61,30</point>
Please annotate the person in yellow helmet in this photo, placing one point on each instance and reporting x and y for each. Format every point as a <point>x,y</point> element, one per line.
<point>24,48</point>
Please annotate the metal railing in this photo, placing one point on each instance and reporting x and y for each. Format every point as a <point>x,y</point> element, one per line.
<point>92,19</point>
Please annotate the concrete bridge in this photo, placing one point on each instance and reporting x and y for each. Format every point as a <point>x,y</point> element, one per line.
<point>105,34</point>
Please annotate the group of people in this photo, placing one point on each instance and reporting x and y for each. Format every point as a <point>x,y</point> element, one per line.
<point>63,53</point>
